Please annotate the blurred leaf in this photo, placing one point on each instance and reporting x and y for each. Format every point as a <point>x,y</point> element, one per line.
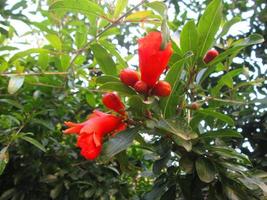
<point>26,53</point>
<point>15,83</point>
<point>120,6</point>
<point>12,102</point>
<point>160,7</point>
<point>119,142</point>
<point>251,40</point>
<point>186,164</point>
<point>84,6</point>
<point>43,60</point>
<point>34,142</point>
<point>54,41</point>
<point>104,60</point>
<point>139,15</point>
<point>217,115</point>
<point>106,79</point>
<point>228,25</point>
<point>117,86</point>
<point>4,158</point>
<point>205,170</point>
<point>228,133</point>
<point>208,26</point>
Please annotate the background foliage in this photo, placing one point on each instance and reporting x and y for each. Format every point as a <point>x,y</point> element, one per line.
<point>42,87</point>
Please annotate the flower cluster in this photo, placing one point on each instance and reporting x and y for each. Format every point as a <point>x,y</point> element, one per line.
<point>152,62</point>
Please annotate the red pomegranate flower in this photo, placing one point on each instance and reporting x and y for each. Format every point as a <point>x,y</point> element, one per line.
<point>152,59</point>
<point>91,132</point>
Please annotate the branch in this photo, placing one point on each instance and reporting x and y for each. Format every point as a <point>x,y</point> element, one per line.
<point>34,74</point>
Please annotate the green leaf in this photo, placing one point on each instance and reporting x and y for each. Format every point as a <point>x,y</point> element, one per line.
<point>54,41</point>
<point>120,6</point>
<point>177,127</point>
<point>186,164</point>
<point>189,37</point>
<point>106,79</point>
<point>208,26</point>
<point>83,6</point>
<point>230,153</point>
<point>34,142</point>
<point>160,7</point>
<point>80,36</point>
<point>4,158</point>
<point>43,60</point>
<point>104,60</point>
<point>251,40</point>
<point>26,53</point>
<point>228,133</point>
<point>137,105</point>
<point>15,83</point>
<point>205,170</point>
<point>139,15</point>
<point>169,104</point>
<point>112,49</point>
<point>3,65</point>
<point>228,25</point>
<point>12,102</point>
<point>119,87</point>
<point>119,142</point>
<point>217,115</point>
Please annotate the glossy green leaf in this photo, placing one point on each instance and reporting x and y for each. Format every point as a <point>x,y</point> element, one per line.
<point>189,37</point>
<point>34,142</point>
<point>26,53</point>
<point>117,86</point>
<point>119,142</point>
<point>160,7</point>
<point>83,6</point>
<point>104,59</point>
<point>230,153</point>
<point>15,83</point>
<point>217,115</point>
<point>120,6</point>
<point>169,104</point>
<point>205,170</point>
<point>208,26</point>
<point>177,127</point>
<point>228,133</point>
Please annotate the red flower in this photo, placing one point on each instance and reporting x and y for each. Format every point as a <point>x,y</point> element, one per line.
<point>152,60</point>
<point>112,101</point>
<point>91,132</point>
<point>210,55</point>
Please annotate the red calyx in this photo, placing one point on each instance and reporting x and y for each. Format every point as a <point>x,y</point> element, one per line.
<point>141,87</point>
<point>210,55</point>
<point>112,101</point>
<point>129,77</point>
<point>162,89</point>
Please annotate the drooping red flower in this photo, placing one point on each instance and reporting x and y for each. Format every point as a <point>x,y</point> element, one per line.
<point>112,101</point>
<point>91,132</point>
<point>152,59</point>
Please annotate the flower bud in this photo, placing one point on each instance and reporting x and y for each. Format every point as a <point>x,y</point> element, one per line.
<point>141,87</point>
<point>112,101</point>
<point>194,106</point>
<point>210,55</point>
<point>129,77</point>
<point>162,89</point>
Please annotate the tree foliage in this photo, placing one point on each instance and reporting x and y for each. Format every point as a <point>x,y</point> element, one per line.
<point>181,151</point>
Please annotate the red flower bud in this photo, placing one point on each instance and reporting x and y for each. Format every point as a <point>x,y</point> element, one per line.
<point>162,89</point>
<point>210,55</point>
<point>141,87</point>
<point>152,59</point>
<point>129,77</point>
<point>112,101</point>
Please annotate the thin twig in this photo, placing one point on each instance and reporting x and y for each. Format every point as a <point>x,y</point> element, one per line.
<point>34,74</point>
